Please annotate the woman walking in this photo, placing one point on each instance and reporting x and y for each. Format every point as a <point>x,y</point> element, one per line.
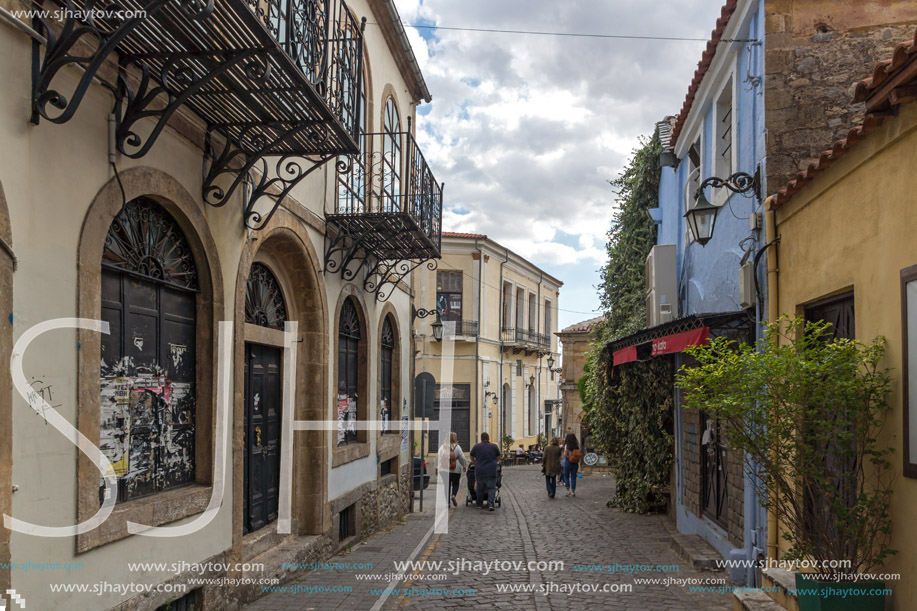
<point>452,459</point>
<point>551,466</point>
<point>572,455</point>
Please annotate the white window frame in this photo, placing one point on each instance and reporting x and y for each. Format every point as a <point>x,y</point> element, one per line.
<point>720,196</point>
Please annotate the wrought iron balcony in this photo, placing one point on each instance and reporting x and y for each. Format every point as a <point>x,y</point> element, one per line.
<point>463,328</point>
<point>387,218</point>
<point>525,339</point>
<point>270,78</point>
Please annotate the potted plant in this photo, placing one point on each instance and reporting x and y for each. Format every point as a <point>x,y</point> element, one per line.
<point>508,442</point>
<point>806,409</point>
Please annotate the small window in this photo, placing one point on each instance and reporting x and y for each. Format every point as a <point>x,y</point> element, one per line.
<point>347,526</point>
<point>388,467</point>
<point>188,602</point>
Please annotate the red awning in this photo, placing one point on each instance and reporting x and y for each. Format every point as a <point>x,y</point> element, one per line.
<point>679,341</point>
<point>625,355</point>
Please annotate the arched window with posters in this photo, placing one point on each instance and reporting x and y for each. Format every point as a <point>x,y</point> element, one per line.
<point>149,287</point>
<point>350,338</point>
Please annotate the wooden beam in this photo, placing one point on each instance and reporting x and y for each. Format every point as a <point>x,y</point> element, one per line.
<point>903,94</point>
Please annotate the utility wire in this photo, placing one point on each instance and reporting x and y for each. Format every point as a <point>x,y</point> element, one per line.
<point>565,34</point>
<point>444,267</point>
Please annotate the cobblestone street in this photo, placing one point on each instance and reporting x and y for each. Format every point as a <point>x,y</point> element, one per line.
<point>528,528</point>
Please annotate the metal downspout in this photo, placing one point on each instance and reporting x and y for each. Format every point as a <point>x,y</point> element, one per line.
<point>477,343</point>
<point>773,312</point>
<point>502,406</point>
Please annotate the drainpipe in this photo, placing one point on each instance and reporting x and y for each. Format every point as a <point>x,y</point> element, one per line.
<point>773,309</point>
<point>538,388</point>
<point>502,406</point>
<point>477,343</point>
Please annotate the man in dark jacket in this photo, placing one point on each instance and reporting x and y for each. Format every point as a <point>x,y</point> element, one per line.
<point>485,456</point>
<point>552,468</point>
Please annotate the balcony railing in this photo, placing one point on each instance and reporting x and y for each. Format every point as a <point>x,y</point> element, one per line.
<point>526,339</point>
<point>466,328</point>
<point>387,218</point>
<point>383,181</point>
<point>269,78</point>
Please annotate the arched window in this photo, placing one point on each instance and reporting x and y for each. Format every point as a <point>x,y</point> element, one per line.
<point>352,171</point>
<point>386,407</point>
<point>148,361</point>
<point>391,159</point>
<point>264,304</point>
<point>349,336</point>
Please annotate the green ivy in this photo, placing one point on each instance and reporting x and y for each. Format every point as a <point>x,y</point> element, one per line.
<point>630,413</point>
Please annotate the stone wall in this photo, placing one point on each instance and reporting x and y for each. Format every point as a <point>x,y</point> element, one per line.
<point>694,479</point>
<point>691,462</point>
<point>815,51</point>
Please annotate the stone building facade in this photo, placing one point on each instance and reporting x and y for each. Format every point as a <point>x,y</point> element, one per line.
<point>193,312</point>
<point>814,52</point>
<point>576,343</point>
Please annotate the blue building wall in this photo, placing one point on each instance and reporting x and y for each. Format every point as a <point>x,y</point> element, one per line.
<point>708,276</point>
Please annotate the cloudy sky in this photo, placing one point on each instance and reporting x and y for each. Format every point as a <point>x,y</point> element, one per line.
<point>526,130</point>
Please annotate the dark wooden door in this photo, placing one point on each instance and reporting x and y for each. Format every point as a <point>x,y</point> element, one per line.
<point>713,461</point>
<point>262,435</point>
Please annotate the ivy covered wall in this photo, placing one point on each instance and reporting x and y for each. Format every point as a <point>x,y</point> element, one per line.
<point>630,412</point>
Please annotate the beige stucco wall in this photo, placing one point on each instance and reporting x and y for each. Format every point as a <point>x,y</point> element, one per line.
<point>489,368</point>
<point>853,228</point>
<point>50,175</point>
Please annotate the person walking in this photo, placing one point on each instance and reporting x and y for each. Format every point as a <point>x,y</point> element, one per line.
<point>485,456</point>
<point>571,457</point>
<point>452,459</point>
<point>550,466</point>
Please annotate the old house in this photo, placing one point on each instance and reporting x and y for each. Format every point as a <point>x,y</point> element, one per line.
<point>207,328</point>
<point>493,361</point>
<point>847,255</point>
<point>769,94</point>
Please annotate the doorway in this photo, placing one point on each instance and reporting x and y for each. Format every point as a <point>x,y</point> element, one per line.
<point>261,478</point>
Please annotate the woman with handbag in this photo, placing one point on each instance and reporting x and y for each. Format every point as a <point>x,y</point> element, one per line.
<point>550,466</point>
<point>571,457</point>
<point>452,459</point>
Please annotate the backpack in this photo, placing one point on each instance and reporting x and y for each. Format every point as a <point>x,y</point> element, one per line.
<point>575,455</point>
<point>452,458</point>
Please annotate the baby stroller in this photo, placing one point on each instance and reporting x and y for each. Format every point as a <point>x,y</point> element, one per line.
<point>472,496</point>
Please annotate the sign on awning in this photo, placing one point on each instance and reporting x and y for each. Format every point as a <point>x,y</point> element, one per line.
<point>624,355</point>
<point>668,344</point>
<point>679,341</point>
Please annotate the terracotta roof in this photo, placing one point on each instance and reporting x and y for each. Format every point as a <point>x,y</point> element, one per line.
<point>879,92</point>
<point>584,326</point>
<point>888,74</point>
<point>703,65</point>
<point>453,234</point>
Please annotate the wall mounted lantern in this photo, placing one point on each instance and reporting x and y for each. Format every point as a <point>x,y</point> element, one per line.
<point>702,216</point>
<point>437,326</point>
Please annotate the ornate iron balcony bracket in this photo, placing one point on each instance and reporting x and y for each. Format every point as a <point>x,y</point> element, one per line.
<point>83,43</point>
<point>231,166</point>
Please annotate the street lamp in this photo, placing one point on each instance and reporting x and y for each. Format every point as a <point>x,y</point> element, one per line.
<point>532,380</point>
<point>437,326</point>
<point>702,216</point>
<point>550,361</point>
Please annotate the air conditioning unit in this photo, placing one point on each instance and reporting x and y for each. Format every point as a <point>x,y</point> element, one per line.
<point>747,294</point>
<point>661,285</point>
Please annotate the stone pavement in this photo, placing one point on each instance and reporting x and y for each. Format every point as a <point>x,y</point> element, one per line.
<point>582,532</point>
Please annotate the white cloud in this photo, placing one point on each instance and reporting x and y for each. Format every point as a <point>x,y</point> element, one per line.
<point>526,130</point>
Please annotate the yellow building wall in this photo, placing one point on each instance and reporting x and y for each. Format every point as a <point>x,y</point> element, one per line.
<point>854,228</point>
